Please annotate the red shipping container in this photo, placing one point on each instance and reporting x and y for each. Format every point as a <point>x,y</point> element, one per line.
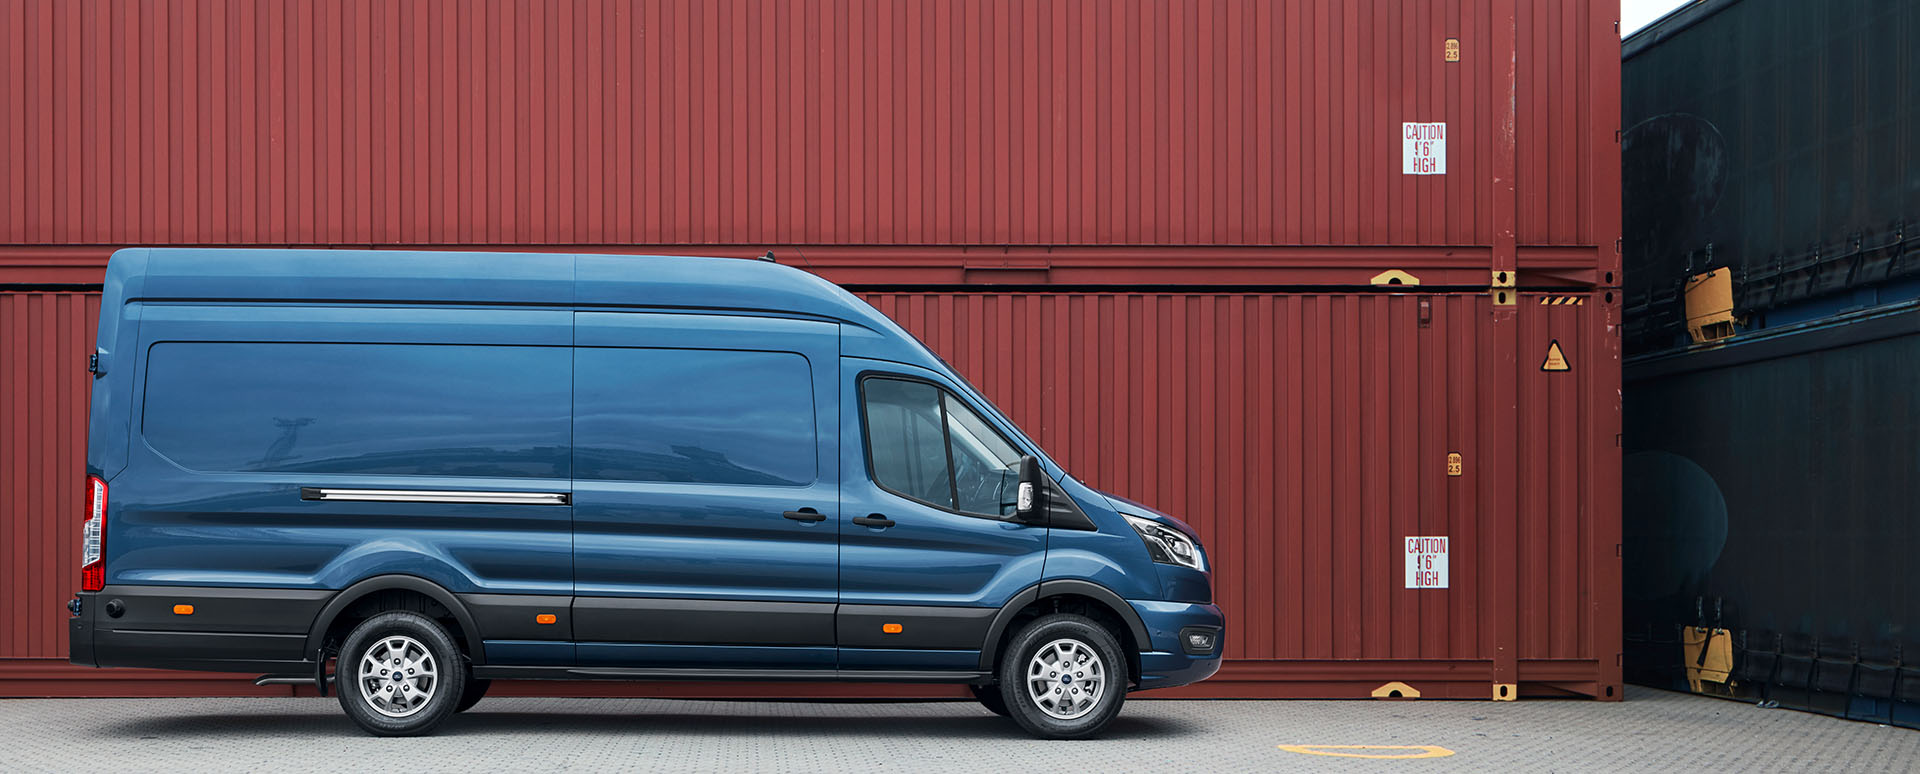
<point>1078,135</point>
<point>1202,202</point>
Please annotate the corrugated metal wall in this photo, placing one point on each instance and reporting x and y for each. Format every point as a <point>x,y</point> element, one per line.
<point>827,122</point>
<point>1565,116</point>
<point>44,341</point>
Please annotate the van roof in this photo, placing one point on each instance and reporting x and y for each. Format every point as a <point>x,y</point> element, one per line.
<point>444,277</point>
<point>539,279</point>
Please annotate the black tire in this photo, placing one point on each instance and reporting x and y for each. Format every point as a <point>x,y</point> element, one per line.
<point>989,696</point>
<point>422,642</point>
<point>475,691</point>
<point>1082,636</point>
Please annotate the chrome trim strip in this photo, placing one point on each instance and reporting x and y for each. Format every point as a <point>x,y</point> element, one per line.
<point>434,496</point>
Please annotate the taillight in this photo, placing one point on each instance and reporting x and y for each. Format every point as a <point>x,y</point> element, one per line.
<point>93,538</point>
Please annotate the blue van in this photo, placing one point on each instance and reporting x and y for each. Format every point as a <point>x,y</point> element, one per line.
<point>401,475</point>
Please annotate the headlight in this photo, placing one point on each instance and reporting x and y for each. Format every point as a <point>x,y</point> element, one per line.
<point>1167,545</point>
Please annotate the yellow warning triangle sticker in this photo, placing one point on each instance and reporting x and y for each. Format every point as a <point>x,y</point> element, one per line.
<point>1556,360</point>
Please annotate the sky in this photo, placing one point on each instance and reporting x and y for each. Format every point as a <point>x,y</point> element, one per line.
<point>1635,14</point>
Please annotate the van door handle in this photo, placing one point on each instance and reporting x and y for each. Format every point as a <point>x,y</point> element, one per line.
<point>805,514</point>
<point>873,520</point>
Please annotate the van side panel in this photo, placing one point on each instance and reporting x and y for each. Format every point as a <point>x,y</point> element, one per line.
<point>700,444</point>
<point>248,411</point>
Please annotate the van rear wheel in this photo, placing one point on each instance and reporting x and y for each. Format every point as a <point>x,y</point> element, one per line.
<point>399,674</point>
<point>1063,676</point>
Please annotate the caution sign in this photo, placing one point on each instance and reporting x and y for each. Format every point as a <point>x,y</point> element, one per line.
<point>1426,562</point>
<point>1556,359</point>
<point>1423,149</point>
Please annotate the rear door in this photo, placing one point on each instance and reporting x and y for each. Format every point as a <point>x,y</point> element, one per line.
<point>705,501</point>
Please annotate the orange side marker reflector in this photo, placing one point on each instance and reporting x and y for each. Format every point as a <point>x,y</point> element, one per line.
<point>545,618</point>
<point>183,609</point>
<point>891,628</point>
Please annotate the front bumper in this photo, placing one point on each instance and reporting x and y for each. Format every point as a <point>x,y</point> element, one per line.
<point>1164,662</point>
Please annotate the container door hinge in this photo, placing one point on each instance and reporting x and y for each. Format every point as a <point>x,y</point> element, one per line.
<point>1616,136</point>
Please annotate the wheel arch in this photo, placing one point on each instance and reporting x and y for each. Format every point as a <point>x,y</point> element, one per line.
<point>1027,599</point>
<point>341,602</point>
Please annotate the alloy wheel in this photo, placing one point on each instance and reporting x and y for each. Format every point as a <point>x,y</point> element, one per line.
<point>398,676</point>
<point>1066,679</point>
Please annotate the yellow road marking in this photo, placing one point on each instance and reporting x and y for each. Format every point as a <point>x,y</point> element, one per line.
<point>1407,752</point>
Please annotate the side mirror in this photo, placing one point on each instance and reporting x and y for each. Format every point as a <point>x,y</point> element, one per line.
<point>1027,505</point>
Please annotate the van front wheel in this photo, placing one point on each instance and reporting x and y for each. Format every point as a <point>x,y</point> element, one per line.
<point>399,674</point>
<point>1063,677</point>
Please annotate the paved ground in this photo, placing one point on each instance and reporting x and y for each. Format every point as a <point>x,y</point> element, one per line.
<point>1651,730</point>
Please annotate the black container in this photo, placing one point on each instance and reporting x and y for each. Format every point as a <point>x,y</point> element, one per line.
<point>1773,489</point>
<point>1778,138</point>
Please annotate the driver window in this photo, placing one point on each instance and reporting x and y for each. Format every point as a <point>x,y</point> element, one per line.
<point>985,474</point>
<point>925,444</point>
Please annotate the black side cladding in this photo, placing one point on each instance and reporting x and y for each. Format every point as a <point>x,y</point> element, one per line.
<point>192,627</point>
